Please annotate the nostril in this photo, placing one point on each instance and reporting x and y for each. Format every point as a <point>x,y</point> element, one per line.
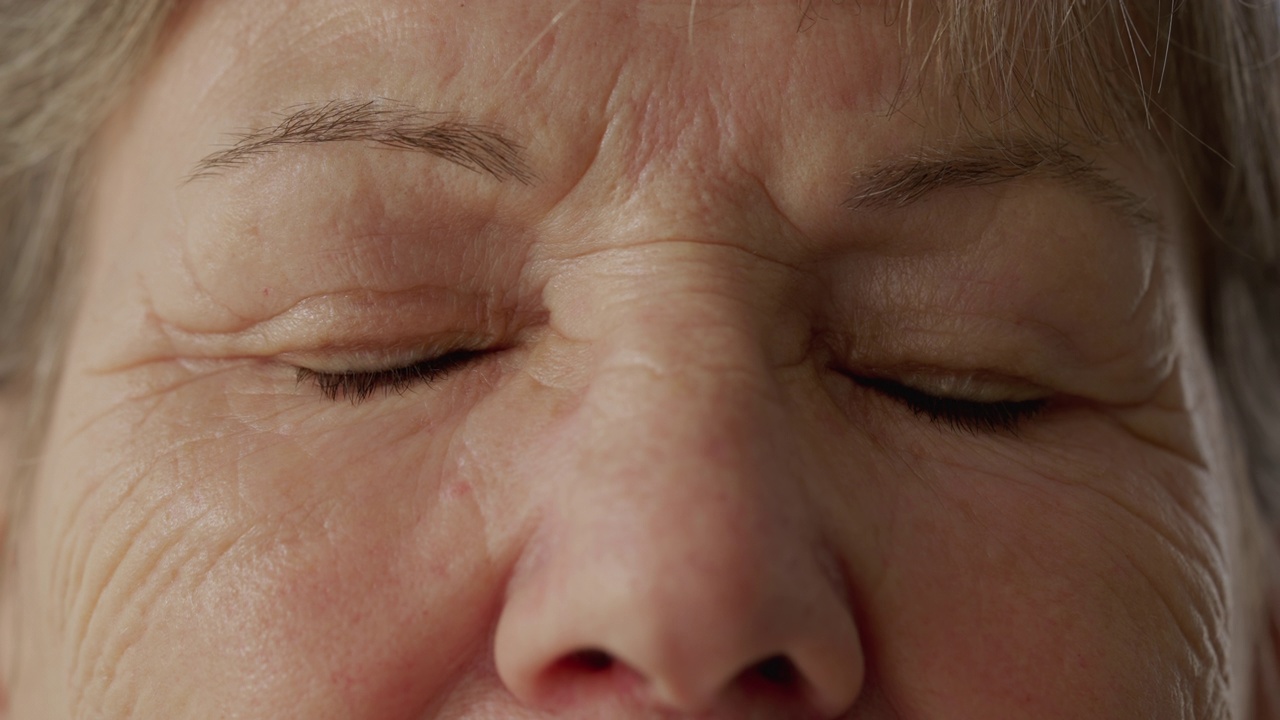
<point>777,681</point>
<point>579,675</point>
<point>776,670</point>
<point>592,661</point>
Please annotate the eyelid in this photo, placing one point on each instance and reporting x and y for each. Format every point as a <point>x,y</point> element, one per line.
<point>972,386</point>
<point>360,385</point>
<point>365,358</point>
<point>345,362</point>
<point>978,417</point>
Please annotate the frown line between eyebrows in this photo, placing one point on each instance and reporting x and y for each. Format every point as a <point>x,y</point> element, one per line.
<point>385,123</point>
<point>909,179</point>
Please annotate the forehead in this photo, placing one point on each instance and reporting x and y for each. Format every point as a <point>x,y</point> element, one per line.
<point>698,92</point>
<point>528,47</point>
<point>716,80</point>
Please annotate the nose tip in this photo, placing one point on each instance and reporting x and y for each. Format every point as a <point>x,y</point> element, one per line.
<point>690,593</point>
<point>693,641</point>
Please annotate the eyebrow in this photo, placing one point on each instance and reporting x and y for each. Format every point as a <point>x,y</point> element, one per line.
<point>908,179</point>
<point>381,122</point>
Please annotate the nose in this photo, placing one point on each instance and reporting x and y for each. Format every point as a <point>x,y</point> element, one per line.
<point>677,565</point>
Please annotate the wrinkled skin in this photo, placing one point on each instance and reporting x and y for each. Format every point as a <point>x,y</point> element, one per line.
<point>663,490</point>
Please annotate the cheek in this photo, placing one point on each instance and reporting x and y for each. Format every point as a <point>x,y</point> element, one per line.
<point>315,556</point>
<point>312,556</point>
<point>1056,583</point>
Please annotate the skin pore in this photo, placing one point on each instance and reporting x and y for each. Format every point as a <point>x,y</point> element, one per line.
<point>711,402</point>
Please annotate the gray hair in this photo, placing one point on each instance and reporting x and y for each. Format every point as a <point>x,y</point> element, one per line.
<point>1207,70</point>
<point>62,64</point>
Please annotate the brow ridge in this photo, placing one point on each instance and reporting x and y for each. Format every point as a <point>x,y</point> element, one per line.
<point>909,179</point>
<point>383,122</point>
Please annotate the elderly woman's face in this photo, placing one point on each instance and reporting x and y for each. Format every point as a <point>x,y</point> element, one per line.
<point>661,360</point>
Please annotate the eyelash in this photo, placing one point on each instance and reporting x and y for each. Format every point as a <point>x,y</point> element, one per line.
<point>971,416</point>
<point>358,386</point>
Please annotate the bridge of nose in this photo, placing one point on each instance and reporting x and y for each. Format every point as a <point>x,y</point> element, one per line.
<point>678,540</point>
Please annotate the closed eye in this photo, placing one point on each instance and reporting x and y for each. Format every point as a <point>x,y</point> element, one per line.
<point>358,386</point>
<point>972,416</point>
